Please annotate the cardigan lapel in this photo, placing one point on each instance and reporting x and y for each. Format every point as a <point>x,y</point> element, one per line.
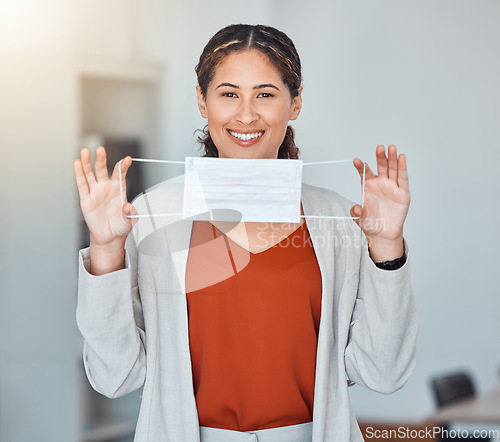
<point>321,238</point>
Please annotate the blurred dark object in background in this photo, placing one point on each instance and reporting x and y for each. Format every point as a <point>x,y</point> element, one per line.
<point>450,389</point>
<point>119,148</point>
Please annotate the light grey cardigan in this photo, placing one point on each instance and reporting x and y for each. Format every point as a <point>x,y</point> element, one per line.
<point>135,325</point>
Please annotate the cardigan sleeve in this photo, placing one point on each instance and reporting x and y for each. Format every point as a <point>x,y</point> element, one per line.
<point>109,316</point>
<point>381,349</point>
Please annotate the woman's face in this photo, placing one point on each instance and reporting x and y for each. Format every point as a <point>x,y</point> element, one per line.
<point>248,106</point>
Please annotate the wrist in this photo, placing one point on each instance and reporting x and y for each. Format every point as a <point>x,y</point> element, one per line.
<point>394,264</point>
<point>106,258</point>
<point>382,250</point>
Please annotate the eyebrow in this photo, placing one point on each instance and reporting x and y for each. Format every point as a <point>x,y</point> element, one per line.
<point>260,86</point>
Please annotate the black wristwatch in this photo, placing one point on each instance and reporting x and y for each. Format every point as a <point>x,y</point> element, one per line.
<point>392,265</point>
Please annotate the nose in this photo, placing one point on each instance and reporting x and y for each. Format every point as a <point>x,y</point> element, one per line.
<point>247,113</point>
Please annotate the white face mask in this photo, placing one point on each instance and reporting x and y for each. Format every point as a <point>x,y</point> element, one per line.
<point>250,190</point>
<point>232,189</point>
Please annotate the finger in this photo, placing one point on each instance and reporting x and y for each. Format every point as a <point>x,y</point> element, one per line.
<point>129,210</point>
<point>381,161</point>
<point>123,168</point>
<point>87,167</point>
<point>101,168</point>
<point>393,162</point>
<point>403,173</point>
<point>81,181</point>
<point>360,166</point>
<point>126,163</point>
<point>356,212</point>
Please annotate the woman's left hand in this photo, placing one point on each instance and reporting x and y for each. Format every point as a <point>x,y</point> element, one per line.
<point>387,199</point>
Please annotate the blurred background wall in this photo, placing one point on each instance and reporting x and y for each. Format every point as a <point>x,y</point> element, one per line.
<point>423,75</point>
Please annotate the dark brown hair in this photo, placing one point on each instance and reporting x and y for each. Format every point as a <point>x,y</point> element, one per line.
<point>279,49</point>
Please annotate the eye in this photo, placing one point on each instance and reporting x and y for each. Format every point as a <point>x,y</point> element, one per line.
<point>229,94</point>
<point>265,95</point>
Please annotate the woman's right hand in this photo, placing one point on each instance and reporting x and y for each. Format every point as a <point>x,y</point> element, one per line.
<point>101,204</point>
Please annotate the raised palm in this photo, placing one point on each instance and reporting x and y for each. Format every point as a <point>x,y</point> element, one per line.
<point>100,198</point>
<point>387,196</point>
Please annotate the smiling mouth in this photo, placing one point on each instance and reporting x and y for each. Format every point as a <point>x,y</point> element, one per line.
<point>246,136</point>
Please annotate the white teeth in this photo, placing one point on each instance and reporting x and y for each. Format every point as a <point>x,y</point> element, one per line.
<point>246,137</point>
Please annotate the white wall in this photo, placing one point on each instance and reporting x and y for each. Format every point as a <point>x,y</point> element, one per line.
<point>37,356</point>
<point>36,321</point>
<point>39,137</point>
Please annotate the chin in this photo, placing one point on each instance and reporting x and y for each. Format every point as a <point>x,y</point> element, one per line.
<point>246,153</point>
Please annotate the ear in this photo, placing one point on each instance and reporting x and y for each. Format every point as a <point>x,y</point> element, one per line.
<point>202,104</point>
<point>296,105</point>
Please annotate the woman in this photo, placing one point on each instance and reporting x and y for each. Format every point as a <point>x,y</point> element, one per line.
<point>268,352</point>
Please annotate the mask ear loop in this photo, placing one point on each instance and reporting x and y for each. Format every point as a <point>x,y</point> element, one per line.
<point>362,191</point>
<point>143,160</point>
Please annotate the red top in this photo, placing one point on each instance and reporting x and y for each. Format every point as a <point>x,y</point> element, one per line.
<point>253,328</point>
